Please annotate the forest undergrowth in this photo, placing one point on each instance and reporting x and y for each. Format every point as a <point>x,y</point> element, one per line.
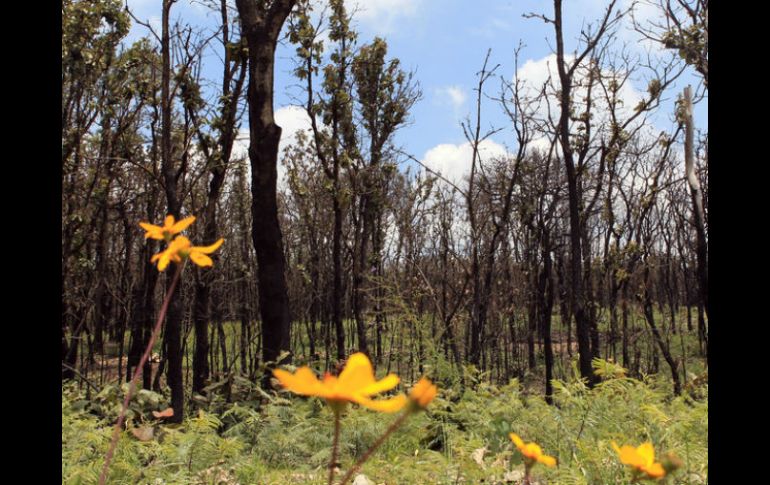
<point>244,435</point>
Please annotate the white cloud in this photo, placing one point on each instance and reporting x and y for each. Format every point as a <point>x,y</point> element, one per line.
<point>543,144</point>
<point>644,12</point>
<point>453,162</point>
<point>292,119</point>
<point>543,72</point>
<point>381,15</point>
<point>454,94</point>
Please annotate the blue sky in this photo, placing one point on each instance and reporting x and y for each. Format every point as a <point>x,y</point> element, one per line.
<point>445,42</point>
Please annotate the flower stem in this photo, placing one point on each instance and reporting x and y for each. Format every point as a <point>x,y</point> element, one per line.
<point>137,372</point>
<point>396,424</point>
<point>333,461</point>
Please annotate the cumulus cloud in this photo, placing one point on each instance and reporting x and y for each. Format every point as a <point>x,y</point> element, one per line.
<point>644,12</point>
<point>292,120</point>
<point>542,145</point>
<point>453,162</point>
<point>535,74</point>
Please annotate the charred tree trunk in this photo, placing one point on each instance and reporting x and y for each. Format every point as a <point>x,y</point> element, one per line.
<point>201,321</point>
<point>362,267</point>
<point>173,335</point>
<point>218,158</point>
<point>545,308</point>
<point>650,318</point>
<point>261,26</point>
<point>337,261</point>
<point>578,297</point>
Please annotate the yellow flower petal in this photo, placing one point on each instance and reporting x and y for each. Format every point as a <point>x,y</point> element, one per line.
<point>168,222</point>
<point>153,231</point>
<point>164,260</point>
<point>628,455</point>
<point>641,458</point>
<point>532,450</point>
<point>208,249</point>
<point>302,382</point>
<point>647,453</point>
<point>423,392</point>
<point>200,259</point>
<point>547,460</point>
<point>385,384</point>
<point>355,384</point>
<point>179,243</point>
<point>655,470</point>
<point>391,405</point>
<point>181,225</point>
<point>357,374</point>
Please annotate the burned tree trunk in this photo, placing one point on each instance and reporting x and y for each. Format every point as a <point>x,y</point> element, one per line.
<point>261,26</point>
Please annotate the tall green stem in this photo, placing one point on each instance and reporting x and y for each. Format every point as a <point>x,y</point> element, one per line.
<point>137,372</point>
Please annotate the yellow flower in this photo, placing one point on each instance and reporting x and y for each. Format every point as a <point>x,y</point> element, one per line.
<point>181,248</point>
<point>642,459</point>
<point>172,253</point>
<point>532,452</point>
<point>423,393</point>
<point>169,228</point>
<point>356,383</point>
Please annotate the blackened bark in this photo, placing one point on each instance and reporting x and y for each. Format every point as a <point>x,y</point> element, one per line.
<point>219,158</point>
<point>332,171</point>
<point>482,287</point>
<point>702,332</point>
<point>545,308</point>
<point>361,267</point>
<point>337,261</point>
<point>532,322</point>
<point>67,371</point>
<point>564,307</point>
<point>173,334</point>
<point>100,295</point>
<point>624,306</point>
<point>448,315</point>
<point>649,316</point>
<point>578,300</point>
<point>261,27</point>
<point>201,321</point>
